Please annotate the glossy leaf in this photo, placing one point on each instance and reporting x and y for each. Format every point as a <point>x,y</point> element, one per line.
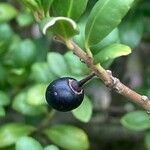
<point>111,52</point>
<point>51,147</point>
<point>111,38</point>
<point>61,26</point>
<point>41,73</point>
<point>7,12</point>
<point>69,8</point>
<point>10,133</point>
<point>57,64</point>
<point>4,99</point>
<point>137,120</point>
<point>20,105</point>
<point>131,31</point>
<point>104,17</point>
<point>28,142</point>
<point>75,65</point>
<point>84,111</point>
<point>2,112</point>
<point>68,137</point>
<point>36,95</point>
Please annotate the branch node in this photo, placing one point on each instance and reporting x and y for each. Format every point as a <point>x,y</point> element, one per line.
<point>144,98</point>
<point>148,112</point>
<point>82,61</point>
<point>109,72</point>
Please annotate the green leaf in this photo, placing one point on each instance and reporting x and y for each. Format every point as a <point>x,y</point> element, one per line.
<point>69,8</point>
<point>7,12</point>
<point>10,133</point>
<point>131,31</point>
<point>104,17</point>
<point>2,112</point>
<point>46,4</point>
<point>51,147</point>
<point>24,19</point>
<point>41,73</point>
<point>8,148</point>
<point>23,53</point>
<point>68,137</point>
<point>36,95</point>
<point>111,38</point>
<point>144,7</point>
<point>138,120</point>
<point>61,26</point>
<point>6,35</point>
<point>57,64</point>
<point>3,74</point>
<point>32,4</point>
<point>111,52</point>
<point>17,76</point>
<point>4,99</point>
<point>146,141</point>
<point>80,38</point>
<point>28,142</point>
<point>20,104</point>
<point>75,65</point>
<point>84,111</point>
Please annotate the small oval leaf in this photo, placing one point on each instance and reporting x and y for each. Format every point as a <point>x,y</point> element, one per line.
<point>84,111</point>
<point>20,104</point>
<point>51,147</point>
<point>10,133</point>
<point>111,52</point>
<point>7,12</point>
<point>28,142</point>
<point>138,120</point>
<point>36,95</point>
<point>57,64</point>
<point>62,26</point>
<point>75,66</point>
<point>41,73</point>
<point>68,137</point>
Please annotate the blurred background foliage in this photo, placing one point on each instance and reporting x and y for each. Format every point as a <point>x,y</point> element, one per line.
<point>29,61</point>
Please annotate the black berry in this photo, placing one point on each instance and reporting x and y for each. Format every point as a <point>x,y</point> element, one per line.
<point>64,94</point>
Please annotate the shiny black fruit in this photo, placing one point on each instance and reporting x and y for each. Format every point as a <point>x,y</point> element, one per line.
<point>64,94</point>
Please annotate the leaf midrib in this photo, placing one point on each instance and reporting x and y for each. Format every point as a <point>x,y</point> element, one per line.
<point>94,22</point>
<point>70,8</point>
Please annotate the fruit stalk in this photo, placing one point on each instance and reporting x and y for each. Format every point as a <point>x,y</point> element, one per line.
<point>86,79</point>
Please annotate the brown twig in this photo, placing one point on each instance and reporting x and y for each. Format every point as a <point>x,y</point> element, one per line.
<point>107,78</point>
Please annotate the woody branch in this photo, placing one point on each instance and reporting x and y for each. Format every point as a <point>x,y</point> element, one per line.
<point>107,77</point>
